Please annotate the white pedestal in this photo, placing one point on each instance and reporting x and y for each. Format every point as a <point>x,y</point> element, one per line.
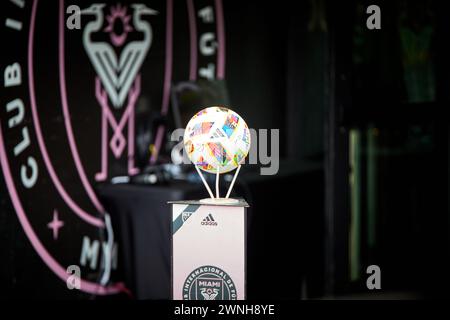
<point>208,251</point>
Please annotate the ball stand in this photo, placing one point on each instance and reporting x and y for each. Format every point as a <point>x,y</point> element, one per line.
<point>217,200</point>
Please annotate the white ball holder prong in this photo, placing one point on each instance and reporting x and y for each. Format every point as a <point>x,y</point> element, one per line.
<point>218,200</point>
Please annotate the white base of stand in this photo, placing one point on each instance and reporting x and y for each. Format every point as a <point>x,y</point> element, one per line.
<point>219,201</point>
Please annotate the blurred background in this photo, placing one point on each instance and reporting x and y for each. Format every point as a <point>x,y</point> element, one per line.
<point>363,144</point>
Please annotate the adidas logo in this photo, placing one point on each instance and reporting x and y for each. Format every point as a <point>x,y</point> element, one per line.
<point>209,221</point>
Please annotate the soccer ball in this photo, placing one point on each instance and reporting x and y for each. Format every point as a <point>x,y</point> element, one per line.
<point>217,138</point>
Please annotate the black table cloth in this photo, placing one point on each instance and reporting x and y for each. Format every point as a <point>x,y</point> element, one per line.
<point>141,220</point>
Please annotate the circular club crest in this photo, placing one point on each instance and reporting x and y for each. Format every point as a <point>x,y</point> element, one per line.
<point>209,283</point>
<point>67,121</point>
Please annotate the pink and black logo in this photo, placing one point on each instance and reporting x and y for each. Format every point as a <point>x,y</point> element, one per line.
<point>68,106</point>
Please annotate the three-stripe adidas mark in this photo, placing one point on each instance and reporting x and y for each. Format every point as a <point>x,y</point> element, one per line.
<point>209,221</point>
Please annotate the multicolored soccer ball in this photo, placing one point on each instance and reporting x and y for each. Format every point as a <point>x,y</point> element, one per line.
<point>217,138</point>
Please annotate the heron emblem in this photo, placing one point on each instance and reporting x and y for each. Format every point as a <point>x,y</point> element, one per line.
<point>117,73</point>
<point>117,65</point>
<point>209,294</point>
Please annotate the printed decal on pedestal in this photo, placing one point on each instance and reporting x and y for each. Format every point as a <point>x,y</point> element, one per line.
<point>209,283</point>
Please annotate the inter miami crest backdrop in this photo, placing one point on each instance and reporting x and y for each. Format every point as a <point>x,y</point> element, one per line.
<point>69,101</point>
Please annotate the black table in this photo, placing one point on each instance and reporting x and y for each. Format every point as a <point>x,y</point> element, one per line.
<point>141,220</point>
